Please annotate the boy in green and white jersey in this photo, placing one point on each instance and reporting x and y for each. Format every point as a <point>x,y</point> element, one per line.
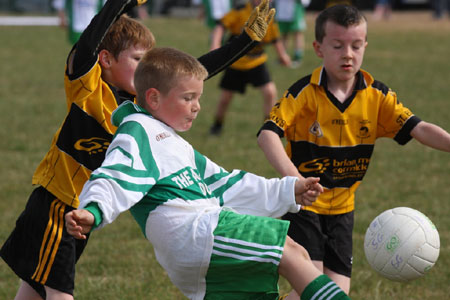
<point>210,228</point>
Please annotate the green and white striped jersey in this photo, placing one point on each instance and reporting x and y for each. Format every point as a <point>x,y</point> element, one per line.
<point>175,193</point>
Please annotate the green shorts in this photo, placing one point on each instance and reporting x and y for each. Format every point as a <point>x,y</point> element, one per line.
<point>246,254</point>
<point>297,24</point>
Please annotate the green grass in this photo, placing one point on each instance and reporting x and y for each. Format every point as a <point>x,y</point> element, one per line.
<point>408,53</point>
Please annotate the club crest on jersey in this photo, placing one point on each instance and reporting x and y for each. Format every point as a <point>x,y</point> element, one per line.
<point>162,135</point>
<point>315,129</point>
<point>364,131</point>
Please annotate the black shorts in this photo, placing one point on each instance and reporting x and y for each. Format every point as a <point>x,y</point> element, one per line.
<point>237,80</point>
<point>327,238</point>
<point>39,250</point>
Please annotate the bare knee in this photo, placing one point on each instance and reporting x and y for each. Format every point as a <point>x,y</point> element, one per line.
<point>26,292</point>
<point>299,250</point>
<point>53,294</point>
<point>293,253</point>
<point>296,266</point>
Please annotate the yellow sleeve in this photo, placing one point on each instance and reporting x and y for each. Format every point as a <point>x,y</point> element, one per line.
<point>392,116</point>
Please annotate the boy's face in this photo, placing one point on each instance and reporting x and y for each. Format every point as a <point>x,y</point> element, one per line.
<point>180,106</point>
<point>342,50</point>
<point>120,72</point>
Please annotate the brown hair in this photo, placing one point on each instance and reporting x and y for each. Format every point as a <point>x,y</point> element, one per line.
<point>344,15</point>
<point>124,33</point>
<point>161,67</point>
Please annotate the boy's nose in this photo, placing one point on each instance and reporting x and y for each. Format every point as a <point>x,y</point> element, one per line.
<point>196,106</point>
<point>347,52</point>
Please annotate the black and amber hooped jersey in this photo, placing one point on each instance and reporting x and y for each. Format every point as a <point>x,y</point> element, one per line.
<point>79,145</point>
<point>334,140</point>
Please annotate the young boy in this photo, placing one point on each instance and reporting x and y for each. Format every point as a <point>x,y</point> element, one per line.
<point>250,69</point>
<point>331,120</point>
<point>99,76</point>
<point>291,21</point>
<point>195,213</point>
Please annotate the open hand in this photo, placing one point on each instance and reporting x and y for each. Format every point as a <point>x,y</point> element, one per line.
<point>259,20</point>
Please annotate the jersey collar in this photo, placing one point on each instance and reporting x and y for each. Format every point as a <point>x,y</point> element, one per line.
<point>125,109</point>
<point>319,77</point>
<point>363,79</point>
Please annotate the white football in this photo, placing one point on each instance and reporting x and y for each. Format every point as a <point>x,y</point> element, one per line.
<point>401,244</point>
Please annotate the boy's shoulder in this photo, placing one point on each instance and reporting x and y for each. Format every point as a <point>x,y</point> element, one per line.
<point>380,86</point>
<point>370,81</point>
<point>299,85</point>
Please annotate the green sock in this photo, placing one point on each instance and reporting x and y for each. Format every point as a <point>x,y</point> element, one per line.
<point>298,55</point>
<point>323,288</point>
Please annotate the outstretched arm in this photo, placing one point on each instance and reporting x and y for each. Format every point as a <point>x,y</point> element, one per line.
<point>432,136</point>
<point>307,189</point>
<point>255,29</point>
<point>270,143</point>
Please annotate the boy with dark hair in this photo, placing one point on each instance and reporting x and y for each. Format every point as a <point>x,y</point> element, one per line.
<point>210,228</point>
<point>331,120</point>
<point>99,77</point>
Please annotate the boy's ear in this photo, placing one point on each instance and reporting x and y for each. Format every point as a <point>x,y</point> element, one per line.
<point>316,46</point>
<point>104,58</point>
<point>152,98</point>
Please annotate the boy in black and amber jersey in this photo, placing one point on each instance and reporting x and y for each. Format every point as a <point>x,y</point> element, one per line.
<point>331,120</point>
<point>249,69</point>
<point>99,76</point>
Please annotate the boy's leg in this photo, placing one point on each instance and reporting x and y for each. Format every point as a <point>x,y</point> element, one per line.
<point>224,102</point>
<point>309,230</point>
<point>225,99</point>
<point>40,251</point>
<point>233,81</point>
<point>26,292</point>
<point>269,92</point>
<point>53,294</point>
<point>305,278</point>
<point>260,78</point>
<point>296,266</point>
<point>299,39</point>
<point>341,280</point>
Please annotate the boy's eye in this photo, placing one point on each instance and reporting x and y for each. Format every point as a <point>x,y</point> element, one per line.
<point>357,45</point>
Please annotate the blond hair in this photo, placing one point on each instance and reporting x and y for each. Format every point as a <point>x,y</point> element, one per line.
<point>125,33</point>
<point>160,68</point>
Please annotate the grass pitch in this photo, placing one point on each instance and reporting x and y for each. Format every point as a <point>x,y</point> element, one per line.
<point>409,53</point>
